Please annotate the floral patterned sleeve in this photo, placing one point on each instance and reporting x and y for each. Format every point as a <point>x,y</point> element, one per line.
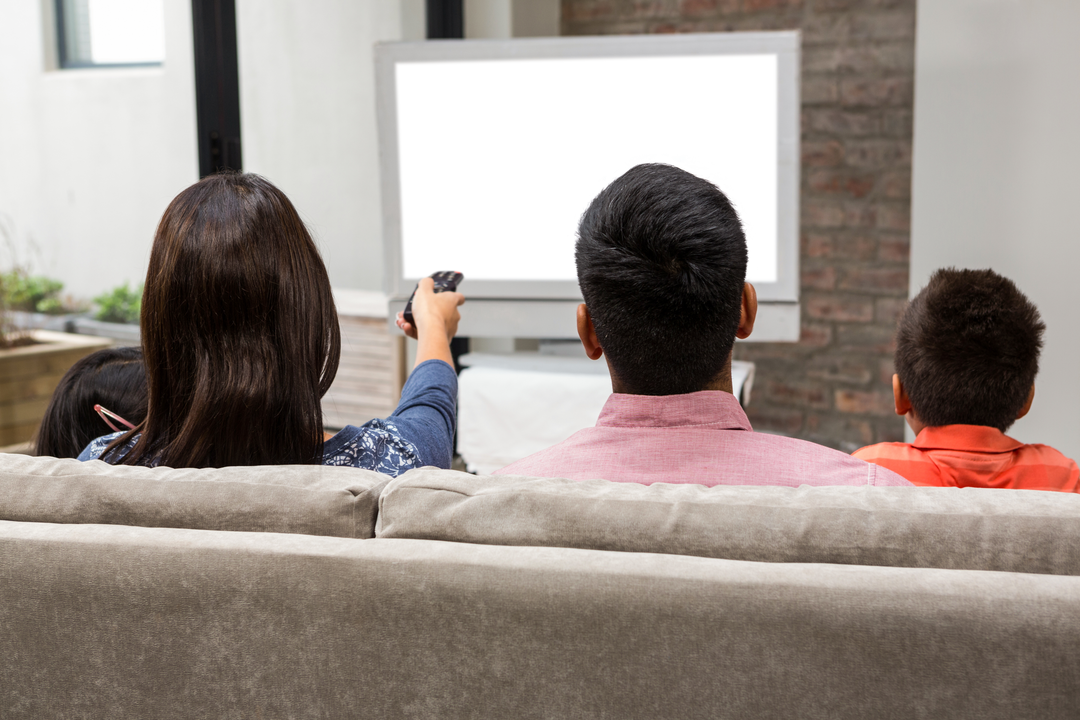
<point>96,447</point>
<point>419,433</point>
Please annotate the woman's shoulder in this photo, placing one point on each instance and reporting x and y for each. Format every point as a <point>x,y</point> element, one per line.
<point>376,445</point>
<point>97,446</point>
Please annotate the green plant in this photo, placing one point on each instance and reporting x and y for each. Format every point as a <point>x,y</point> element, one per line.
<point>10,334</point>
<point>31,293</point>
<point>120,305</point>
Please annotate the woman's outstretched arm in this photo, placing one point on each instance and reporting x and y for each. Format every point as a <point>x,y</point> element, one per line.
<point>421,430</point>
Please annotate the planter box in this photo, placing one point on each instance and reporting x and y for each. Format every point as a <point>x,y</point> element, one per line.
<point>81,323</point>
<point>28,376</point>
<point>123,334</point>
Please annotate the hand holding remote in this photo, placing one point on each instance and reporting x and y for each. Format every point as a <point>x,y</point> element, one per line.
<point>434,318</point>
<point>431,311</point>
<point>445,281</point>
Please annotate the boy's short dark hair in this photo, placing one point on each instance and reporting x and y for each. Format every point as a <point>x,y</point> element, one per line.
<point>661,260</point>
<point>967,349</point>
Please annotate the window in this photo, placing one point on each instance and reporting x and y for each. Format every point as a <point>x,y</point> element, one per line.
<point>110,33</point>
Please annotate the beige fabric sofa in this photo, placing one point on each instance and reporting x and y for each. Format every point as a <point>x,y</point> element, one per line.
<point>308,592</point>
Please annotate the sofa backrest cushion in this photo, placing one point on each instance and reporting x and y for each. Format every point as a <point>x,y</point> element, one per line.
<point>965,529</point>
<point>306,499</point>
<point>108,622</point>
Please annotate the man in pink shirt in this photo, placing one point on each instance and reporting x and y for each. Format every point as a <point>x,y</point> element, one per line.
<point>661,260</point>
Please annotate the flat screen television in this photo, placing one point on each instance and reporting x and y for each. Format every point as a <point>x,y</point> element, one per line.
<point>492,149</point>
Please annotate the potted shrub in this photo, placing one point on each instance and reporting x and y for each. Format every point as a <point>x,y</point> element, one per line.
<point>116,317</point>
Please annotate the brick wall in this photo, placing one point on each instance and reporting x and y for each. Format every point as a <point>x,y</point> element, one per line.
<point>834,386</point>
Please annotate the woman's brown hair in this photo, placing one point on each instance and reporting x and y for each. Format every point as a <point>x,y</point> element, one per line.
<point>240,335</point>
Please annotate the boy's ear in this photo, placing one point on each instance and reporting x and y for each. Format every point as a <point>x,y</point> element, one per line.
<point>587,332</point>
<point>1027,406</point>
<point>900,398</point>
<point>748,313</point>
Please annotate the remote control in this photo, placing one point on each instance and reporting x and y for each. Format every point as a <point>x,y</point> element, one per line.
<point>447,280</point>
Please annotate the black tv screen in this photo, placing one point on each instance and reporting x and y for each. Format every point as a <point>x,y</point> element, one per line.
<point>498,159</point>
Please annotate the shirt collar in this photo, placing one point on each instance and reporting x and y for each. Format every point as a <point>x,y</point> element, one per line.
<point>969,438</point>
<point>714,408</point>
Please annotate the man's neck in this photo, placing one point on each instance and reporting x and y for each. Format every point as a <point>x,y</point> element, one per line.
<point>721,382</point>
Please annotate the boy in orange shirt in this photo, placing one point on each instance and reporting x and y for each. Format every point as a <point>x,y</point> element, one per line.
<point>967,351</point>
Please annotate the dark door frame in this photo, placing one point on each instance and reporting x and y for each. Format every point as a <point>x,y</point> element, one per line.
<point>217,86</point>
<point>445,19</point>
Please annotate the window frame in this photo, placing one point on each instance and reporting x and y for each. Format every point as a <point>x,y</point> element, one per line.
<point>65,63</point>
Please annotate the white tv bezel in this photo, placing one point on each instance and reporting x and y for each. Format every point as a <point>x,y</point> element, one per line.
<point>785,45</point>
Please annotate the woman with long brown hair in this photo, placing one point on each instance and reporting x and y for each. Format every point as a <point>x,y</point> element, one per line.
<point>241,341</point>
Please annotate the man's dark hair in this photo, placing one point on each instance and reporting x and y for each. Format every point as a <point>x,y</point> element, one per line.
<point>661,260</point>
<point>967,349</point>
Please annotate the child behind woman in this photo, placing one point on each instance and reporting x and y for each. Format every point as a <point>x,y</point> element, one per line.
<point>103,392</point>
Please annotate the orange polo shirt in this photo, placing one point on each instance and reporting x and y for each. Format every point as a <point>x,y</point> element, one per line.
<point>975,456</point>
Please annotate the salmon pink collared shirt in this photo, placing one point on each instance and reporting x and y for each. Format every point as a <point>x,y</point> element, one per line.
<point>975,456</point>
<point>702,438</point>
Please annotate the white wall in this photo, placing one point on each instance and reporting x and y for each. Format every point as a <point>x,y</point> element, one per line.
<point>413,19</point>
<point>90,158</point>
<point>511,18</point>
<point>307,114</point>
<point>997,147</point>
<point>489,18</point>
